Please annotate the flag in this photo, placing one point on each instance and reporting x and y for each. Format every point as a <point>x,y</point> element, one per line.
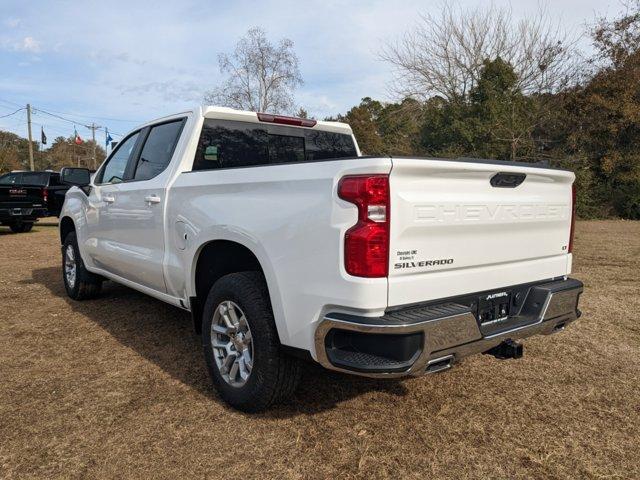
<point>76,137</point>
<point>43,137</point>
<point>107,138</point>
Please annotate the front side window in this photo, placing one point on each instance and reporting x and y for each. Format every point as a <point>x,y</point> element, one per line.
<point>113,171</point>
<point>158,150</point>
<point>231,144</point>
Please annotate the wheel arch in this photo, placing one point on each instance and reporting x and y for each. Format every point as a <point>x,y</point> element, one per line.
<point>66,227</point>
<point>218,257</point>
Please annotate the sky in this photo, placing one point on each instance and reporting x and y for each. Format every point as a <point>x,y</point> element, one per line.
<point>120,63</point>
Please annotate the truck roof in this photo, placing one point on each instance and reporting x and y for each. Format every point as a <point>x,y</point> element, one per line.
<point>225,113</point>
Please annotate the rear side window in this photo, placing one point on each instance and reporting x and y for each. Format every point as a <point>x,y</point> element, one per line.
<point>230,144</point>
<point>158,150</point>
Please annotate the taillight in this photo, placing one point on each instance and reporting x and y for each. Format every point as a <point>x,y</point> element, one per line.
<point>45,195</point>
<point>573,216</point>
<point>366,244</point>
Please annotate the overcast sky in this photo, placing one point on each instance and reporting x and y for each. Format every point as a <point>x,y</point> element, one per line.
<point>119,63</point>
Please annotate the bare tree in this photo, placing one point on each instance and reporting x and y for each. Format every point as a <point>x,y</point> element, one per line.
<point>261,76</point>
<point>618,39</point>
<point>444,53</point>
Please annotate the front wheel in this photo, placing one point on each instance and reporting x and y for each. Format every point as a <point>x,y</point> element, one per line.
<point>21,227</point>
<point>241,346</point>
<point>79,282</point>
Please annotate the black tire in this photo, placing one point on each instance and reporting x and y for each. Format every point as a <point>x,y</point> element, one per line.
<point>274,375</point>
<point>21,227</point>
<point>86,285</point>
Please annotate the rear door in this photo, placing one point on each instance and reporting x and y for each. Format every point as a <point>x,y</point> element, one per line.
<point>460,227</point>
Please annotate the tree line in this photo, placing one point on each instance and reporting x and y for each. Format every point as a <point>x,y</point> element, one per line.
<point>472,89</point>
<point>467,83</point>
<point>478,83</point>
<point>63,152</point>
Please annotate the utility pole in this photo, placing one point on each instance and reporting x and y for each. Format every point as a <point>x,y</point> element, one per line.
<point>93,127</point>
<point>30,140</point>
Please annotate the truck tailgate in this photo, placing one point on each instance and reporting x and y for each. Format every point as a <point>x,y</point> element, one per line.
<point>453,232</point>
<point>20,196</point>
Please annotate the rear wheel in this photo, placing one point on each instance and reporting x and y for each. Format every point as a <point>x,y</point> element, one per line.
<point>241,346</point>
<point>79,283</point>
<point>21,227</point>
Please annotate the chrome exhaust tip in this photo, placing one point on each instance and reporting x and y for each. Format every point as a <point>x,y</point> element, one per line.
<point>439,364</point>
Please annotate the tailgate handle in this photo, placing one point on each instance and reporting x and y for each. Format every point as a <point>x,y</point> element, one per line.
<point>507,180</point>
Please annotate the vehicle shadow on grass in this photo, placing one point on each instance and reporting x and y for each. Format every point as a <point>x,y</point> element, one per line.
<point>4,230</point>
<point>164,335</point>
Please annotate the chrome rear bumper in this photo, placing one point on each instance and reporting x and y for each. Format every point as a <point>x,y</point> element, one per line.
<point>438,335</point>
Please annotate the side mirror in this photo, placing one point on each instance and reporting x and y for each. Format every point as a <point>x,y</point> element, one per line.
<point>80,177</point>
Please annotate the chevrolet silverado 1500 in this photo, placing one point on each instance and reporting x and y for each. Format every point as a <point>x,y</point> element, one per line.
<point>285,243</point>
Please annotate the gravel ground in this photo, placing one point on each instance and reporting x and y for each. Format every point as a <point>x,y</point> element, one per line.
<point>116,388</point>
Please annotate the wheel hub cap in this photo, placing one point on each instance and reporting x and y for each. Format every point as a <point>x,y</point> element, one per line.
<point>232,343</point>
<point>70,266</point>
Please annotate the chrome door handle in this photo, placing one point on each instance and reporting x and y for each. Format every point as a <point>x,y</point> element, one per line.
<point>108,199</point>
<point>152,199</point>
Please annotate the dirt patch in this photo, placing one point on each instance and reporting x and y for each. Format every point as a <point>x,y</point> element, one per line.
<point>117,387</point>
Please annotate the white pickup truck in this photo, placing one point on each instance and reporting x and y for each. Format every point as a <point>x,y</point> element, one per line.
<point>285,243</point>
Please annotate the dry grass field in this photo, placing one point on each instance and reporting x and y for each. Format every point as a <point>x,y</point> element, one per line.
<point>117,388</point>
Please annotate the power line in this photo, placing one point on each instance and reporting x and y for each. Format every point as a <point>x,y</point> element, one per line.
<point>59,115</point>
<point>64,134</point>
<point>10,103</point>
<point>16,121</point>
<point>8,115</point>
<point>6,107</point>
<point>96,117</point>
<point>76,122</point>
<point>53,112</point>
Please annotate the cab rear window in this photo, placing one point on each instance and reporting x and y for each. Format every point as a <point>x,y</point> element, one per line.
<point>39,179</point>
<point>231,144</point>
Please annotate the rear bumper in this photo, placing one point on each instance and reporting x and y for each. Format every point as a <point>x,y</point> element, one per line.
<point>22,214</point>
<point>418,340</point>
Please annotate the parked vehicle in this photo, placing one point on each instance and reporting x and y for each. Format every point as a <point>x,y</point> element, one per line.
<point>26,196</point>
<point>285,243</point>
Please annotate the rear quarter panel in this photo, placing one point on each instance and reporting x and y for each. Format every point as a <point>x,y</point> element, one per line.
<point>289,216</point>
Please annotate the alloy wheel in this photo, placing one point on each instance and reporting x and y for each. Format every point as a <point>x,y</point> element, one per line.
<point>232,343</point>
<point>70,268</point>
